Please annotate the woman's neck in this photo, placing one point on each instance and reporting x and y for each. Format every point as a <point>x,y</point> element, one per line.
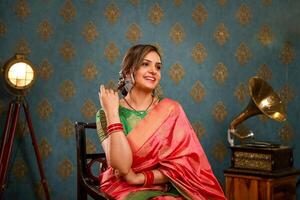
<point>139,99</point>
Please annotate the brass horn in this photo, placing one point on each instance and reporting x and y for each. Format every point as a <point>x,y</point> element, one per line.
<point>263,101</point>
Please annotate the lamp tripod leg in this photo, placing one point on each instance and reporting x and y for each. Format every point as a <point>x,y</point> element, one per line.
<point>5,131</point>
<point>36,150</point>
<point>6,148</point>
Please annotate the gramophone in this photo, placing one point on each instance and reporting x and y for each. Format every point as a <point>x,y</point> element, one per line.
<point>259,156</point>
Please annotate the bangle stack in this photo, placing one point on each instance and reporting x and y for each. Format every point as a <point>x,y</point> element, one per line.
<point>149,178</point>
<point>114,128</point>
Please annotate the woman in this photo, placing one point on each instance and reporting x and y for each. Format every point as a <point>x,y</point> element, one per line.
<point>151,148</point>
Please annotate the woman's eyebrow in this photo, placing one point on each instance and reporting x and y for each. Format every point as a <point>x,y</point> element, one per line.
<point>151,61</point>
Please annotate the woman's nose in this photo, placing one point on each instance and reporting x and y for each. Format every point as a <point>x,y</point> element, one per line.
<point>153,69</point>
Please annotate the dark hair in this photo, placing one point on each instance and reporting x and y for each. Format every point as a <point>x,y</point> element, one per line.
<point>132,60</point>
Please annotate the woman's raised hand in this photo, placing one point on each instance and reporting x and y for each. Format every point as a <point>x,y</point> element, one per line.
<point>109,100</point>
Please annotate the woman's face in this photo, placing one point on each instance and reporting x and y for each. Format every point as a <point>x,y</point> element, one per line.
<point>148,75</point>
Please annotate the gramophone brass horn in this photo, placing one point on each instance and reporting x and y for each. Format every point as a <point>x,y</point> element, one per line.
<point>263,101</point>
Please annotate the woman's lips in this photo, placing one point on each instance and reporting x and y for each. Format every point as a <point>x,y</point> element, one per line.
<point>149,78</point>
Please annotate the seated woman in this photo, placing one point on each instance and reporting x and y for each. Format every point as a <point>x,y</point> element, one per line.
<point>151,148</point>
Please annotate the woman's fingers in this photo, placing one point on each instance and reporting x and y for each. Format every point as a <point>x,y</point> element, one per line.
<point>102,89</point>
<point>110,91</point>
<point>116,173</point>
<point>109,99</point>
<point>103,92</point>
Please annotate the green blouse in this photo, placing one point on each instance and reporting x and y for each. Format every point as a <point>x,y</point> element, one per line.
<point>129,118</point>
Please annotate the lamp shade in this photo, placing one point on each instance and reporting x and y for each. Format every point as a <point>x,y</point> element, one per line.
<point>19,74</point>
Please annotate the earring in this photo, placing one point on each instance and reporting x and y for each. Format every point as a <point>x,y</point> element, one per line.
<point>153,92</point>
<point>132,78</point>
<point>128,83</point>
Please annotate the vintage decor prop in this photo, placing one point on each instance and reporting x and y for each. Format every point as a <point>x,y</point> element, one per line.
<point>260,170</point>
<point>19,76</point>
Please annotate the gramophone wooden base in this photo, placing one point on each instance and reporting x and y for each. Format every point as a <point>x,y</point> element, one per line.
<point>242,185</point>
<point>261,159</point>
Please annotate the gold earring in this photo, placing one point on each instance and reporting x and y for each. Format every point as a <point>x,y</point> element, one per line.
<point>132,78</point>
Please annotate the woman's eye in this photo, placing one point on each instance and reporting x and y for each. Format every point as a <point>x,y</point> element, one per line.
<point>158,67</point>
<point>145,64</point>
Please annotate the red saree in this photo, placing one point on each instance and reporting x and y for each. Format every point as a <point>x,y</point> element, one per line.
<point>164,139</point>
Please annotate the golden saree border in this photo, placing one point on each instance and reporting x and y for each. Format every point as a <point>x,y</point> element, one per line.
<point>101,125</point>
<point>147,126</point>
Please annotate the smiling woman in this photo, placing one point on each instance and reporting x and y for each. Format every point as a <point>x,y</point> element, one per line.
<point>148,75</point>
<point>151,148</point>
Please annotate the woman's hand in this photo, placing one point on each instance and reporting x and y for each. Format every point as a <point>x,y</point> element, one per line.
<point>109,101</point>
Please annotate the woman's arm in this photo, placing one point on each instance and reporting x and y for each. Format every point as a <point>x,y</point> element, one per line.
<point>116,147</point>
<point>139,178</point>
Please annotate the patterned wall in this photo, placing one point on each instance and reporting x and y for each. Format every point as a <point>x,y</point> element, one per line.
<point>210,50</point>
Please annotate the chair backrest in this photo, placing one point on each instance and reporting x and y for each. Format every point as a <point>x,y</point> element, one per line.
<point>85,160</point>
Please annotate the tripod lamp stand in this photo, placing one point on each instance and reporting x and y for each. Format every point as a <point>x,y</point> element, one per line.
<point>19,76</point>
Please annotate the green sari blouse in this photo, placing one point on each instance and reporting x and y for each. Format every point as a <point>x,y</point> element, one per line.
<point>129,118</point>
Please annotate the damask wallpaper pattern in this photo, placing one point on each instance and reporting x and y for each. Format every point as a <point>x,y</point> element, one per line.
<point>210,49</point>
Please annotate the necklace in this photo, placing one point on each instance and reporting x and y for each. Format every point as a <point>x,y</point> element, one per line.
<point>140,112</point>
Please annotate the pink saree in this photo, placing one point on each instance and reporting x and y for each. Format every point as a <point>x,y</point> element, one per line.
<point>165,140</point>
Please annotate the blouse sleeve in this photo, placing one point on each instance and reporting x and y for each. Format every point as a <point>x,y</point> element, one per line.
<point>101,125</point>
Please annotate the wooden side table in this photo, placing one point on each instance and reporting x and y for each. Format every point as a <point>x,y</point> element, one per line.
<point>250,185</point>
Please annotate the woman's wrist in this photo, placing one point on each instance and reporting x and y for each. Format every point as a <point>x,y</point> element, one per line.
<point>134,178</point>
<point>112,117</point>
<point>140,178</point>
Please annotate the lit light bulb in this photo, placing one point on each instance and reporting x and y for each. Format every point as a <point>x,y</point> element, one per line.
<point>20,74</point>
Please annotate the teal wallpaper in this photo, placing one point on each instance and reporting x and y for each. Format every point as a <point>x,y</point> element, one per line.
<point>210,50</point>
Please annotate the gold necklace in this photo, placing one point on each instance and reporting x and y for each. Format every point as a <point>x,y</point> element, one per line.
<point>141,112</point>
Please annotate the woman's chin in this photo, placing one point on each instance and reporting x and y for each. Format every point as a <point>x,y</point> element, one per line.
<point>148,87</point>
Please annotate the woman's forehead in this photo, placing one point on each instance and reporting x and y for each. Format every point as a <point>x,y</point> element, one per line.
<point>153,57</point>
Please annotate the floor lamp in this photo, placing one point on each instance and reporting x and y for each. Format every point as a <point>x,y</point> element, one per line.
<point>19,76</point>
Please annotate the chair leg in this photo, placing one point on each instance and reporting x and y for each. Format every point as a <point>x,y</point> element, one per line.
<point>81,193</point>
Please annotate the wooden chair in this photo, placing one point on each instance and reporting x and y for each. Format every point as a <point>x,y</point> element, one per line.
<point>87,182</point>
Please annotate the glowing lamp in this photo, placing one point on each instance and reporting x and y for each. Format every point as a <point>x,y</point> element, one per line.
<point>19,75</point>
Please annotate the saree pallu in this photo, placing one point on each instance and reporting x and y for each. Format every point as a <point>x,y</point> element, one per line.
<point>165,140</point>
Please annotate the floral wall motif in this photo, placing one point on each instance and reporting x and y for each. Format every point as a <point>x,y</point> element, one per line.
<point>210,49</point>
